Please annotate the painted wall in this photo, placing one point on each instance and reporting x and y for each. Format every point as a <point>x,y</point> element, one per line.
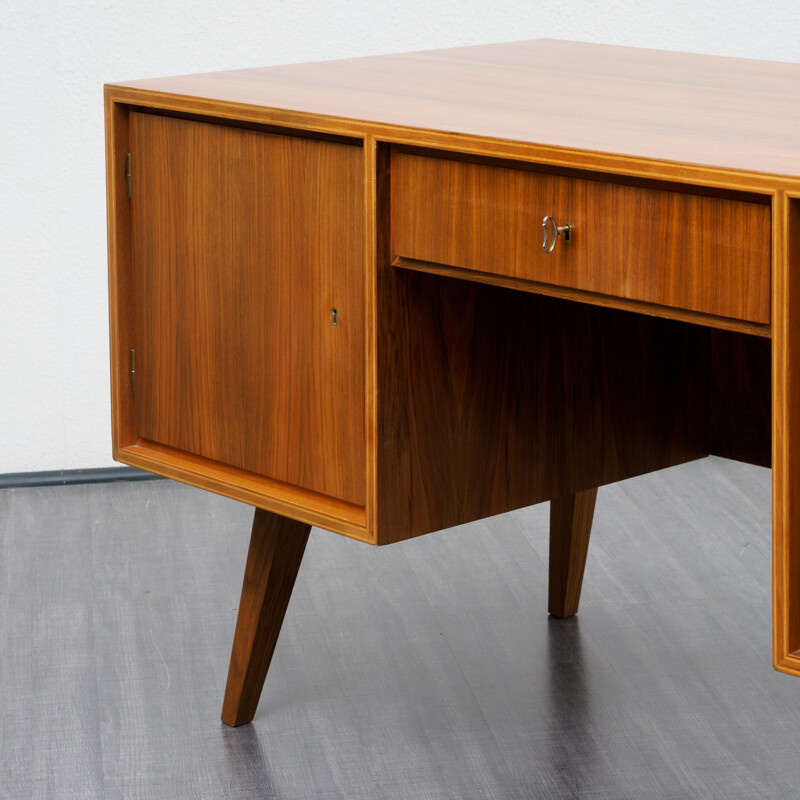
<point>54,58</point>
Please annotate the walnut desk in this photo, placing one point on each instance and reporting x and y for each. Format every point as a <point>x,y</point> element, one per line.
<point>390,295</point>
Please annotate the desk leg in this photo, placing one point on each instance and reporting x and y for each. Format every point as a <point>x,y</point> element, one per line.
<point>276,549</point>
<point>570,528</point>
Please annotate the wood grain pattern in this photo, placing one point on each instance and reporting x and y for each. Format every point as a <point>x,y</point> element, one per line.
<point>120,275</point>
<point>570,529</point>
<point>255,490</point>
<point>704,175</point>
<point>276,549</point>
<point>374,178</point>
<point>670,248</point>
<point>673,107</point>
<point>243,243</point>
<point>786,435</point>
<point>495,399</point>
<point>246,487</point>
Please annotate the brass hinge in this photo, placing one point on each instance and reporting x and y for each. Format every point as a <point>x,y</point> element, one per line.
<point>128,174</point>
<point>133,371</point>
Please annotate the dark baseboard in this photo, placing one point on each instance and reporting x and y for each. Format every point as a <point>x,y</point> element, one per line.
<point>15,480</point>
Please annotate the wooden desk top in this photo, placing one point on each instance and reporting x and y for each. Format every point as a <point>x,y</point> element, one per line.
<point>702,110</point>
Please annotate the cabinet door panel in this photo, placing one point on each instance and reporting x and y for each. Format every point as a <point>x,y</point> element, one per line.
<point>243,243</point>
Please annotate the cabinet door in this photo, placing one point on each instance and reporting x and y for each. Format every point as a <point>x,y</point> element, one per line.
<point>243,244</point>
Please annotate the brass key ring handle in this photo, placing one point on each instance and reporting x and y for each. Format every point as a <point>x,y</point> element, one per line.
<point>549,243</point>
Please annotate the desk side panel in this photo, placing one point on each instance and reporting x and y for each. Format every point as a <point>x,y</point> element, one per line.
<point>786,434</point>
<point>120,272</point>
<point>327,391</point>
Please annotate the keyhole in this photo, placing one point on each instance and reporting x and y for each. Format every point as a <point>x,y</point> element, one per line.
<point>334,316</point>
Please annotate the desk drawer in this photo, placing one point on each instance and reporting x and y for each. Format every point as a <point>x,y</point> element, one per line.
<point>699,253</point>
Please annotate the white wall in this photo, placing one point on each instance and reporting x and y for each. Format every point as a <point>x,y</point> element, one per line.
<point>54,58</point>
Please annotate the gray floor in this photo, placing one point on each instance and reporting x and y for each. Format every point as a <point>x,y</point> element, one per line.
<point>428,669</point>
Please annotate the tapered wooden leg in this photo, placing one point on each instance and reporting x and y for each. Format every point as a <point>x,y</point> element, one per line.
<point>276,550</point>
<point>570,527</point>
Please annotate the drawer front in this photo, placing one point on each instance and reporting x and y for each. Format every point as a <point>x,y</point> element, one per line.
<point>699,253</point>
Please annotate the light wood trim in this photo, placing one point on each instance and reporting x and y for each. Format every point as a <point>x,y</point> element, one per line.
<point>370,149</point>
<point>324,512</point>
<point>276,549</point>
<point>569,158</point>
<point>591,298</point>
<point>789,665</point>
<point>120,281</point>
<point>780,419</point>
<point>691,174</point>
<point>786,433</point>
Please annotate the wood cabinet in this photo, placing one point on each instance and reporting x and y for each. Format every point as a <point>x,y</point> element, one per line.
<point>329,297</point>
